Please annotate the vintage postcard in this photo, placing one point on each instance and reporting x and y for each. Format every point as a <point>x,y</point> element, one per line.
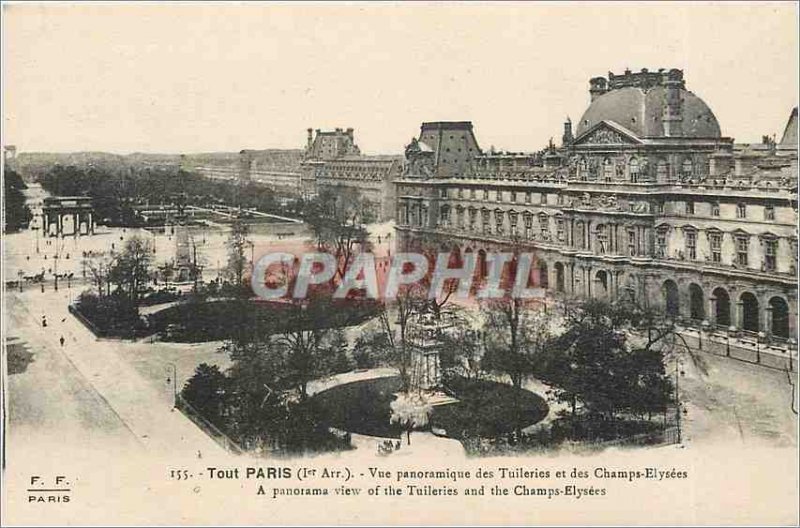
<point>399,264</point>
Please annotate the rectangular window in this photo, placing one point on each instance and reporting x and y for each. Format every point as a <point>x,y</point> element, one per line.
<point>499,195</point>
<point>715,209</point>
<point>486,194</point>
<point>769,212</point>
<point>472,193</point>
<point>498,219</point>
<point>741,211</point>
<point>715,240</point>
<point>443,193</point>
<point>527,197</point>
<point>689,208</point>
<point>544,227</point>
<point>560,229</point>
<point>661,244</point>
<point>770,254</point>
<point>741,251</point>
<point>632,242</point>
<point>514,196</point>
<point>691,245</point>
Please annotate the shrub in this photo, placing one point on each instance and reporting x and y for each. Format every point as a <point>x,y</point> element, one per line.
<point>112,315</point>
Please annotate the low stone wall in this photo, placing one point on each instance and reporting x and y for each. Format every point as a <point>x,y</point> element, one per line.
<point>207,427</point>
<point>742,349</point>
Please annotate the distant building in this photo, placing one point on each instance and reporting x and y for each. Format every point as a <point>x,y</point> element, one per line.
<point>332,159</point>
<point>279,169</point>
<point>647,200</point>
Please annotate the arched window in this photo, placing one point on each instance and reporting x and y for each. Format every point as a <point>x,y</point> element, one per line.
<point>687,169</point>
<point>780,317</point>
<point>583,169</point>
<point>749,312</point>
<point>633,169</point>
<point>722,316</point>
<point>696,302</point>
<point>608,170</point>
<point>601,284</point>
<point>662,170</point>
<point>543,277</point>
<point>602,239</point>
<point>559,277</point>
<point>670,293</point>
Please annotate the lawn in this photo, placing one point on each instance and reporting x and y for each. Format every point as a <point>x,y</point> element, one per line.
<point>485,407</point>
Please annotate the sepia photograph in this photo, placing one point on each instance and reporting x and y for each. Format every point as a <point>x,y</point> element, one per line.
<point>400,263</point>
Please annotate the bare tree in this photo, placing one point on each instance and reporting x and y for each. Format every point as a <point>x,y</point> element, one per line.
<point>99,268</point>
<point>237,244</point>
<point>131,269</point>
<point>516,337</point>
<point>337,218</point>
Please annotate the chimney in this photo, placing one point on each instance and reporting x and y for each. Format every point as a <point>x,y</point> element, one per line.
<point>567,138</point>
<point>673,106</point>
<point>310,140</point>
<point>597,87</point>
<point>350,133</point>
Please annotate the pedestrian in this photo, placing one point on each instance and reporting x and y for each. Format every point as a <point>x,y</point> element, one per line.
<point>44,319</point>
<point>61,340</point>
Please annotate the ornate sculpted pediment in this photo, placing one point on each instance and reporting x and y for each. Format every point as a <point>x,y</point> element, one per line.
<point>605,134</point>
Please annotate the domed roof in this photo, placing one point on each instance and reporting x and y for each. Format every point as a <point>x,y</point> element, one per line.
<point>641,112</point>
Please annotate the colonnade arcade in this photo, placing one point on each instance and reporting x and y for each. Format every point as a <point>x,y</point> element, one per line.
<point>757,309</point>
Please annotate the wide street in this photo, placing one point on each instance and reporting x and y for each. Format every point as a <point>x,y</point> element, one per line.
<point>92,378</point>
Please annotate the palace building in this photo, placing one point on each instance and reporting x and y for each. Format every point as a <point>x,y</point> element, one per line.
<point>332,159</point>
<point>645,199</point>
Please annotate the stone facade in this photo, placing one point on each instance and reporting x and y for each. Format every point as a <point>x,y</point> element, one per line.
<point>667,211</point>
<point>332,159</point>
<point>279,169</point>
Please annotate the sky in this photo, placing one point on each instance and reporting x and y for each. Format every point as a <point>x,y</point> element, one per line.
<point>222,77</point>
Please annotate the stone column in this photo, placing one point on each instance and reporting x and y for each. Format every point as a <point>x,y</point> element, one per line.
<point>589,235</point>
<point>711,316</point>
<point>737,317</point>
<point>587,281</point>
<point>766,326</point>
